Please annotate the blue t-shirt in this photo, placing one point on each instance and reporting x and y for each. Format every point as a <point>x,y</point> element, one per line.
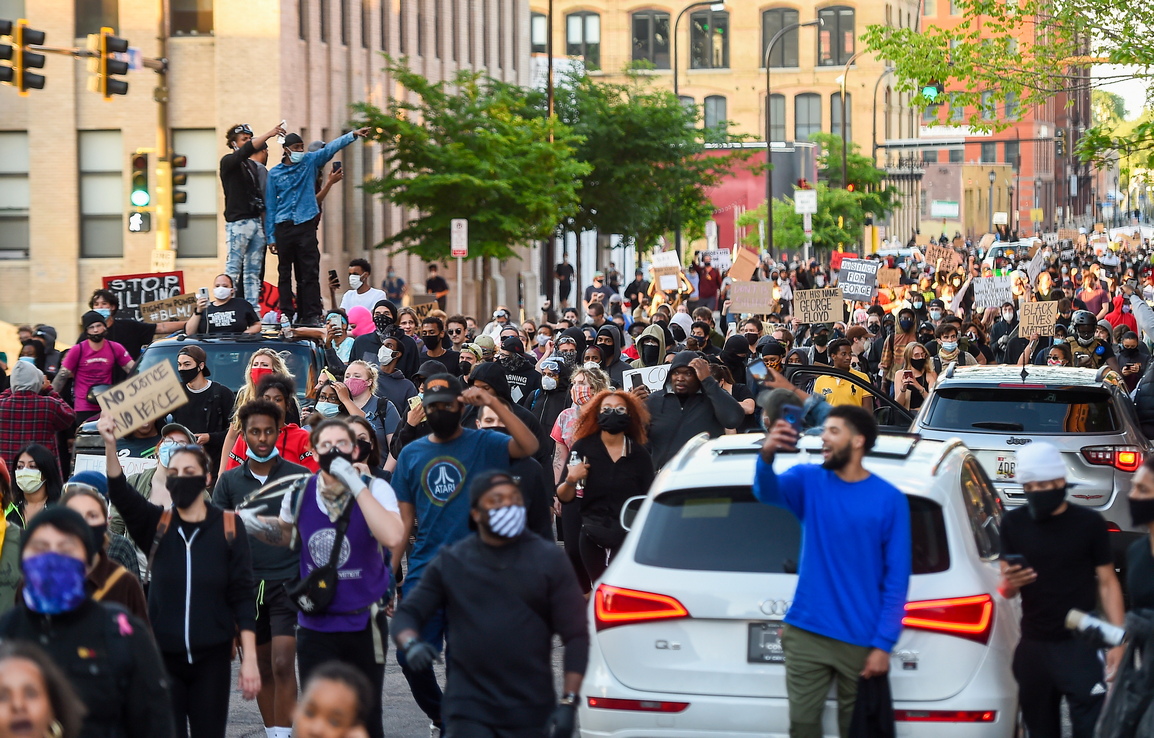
<point>854,573</point>
<point>434,477</point>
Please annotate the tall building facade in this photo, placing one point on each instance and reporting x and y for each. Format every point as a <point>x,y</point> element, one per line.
<point>65,153</point>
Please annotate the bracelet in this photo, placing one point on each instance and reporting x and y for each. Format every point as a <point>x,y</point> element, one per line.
<point>570,699</point>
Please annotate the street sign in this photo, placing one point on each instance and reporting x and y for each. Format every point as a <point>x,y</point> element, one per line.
<point>804,201</point>
<point>459,238</point>
<point>807,224</point>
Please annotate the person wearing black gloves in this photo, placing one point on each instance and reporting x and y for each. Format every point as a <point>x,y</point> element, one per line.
<point>107,653</point>
<point>480,583</point>
<point>201,590</point>
<point>208,412</point>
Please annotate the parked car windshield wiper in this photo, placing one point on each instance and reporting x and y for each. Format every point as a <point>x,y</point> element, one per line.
<point>996,425</point>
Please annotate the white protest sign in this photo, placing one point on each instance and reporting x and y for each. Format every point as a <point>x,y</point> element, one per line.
<point>666,259</point>
<point>652,377</point>
<point>719,258</point>
<point>151,394</point>
<point>818,306</point>
<point>991,292</point>
<point>751,297</point>
<point>858,279</point>
<point>1036,265</point>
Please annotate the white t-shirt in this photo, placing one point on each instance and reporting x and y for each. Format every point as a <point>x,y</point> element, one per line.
<point>367,300</point>
<point>381,490</point>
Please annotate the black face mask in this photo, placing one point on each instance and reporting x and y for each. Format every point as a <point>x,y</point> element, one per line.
<point>187,375</point>
<point>569,357</point>
<point>382,321</point>
<point>612,422</point>
<point>185,490</point>
<point>650,354</point>
<point>751,339</point>
<point>443,423</point>
<point>918,364</point>
<point>1043,504</point>
<point>466,367</point>
<point>1141,511</point>
<point>873,328</point>
<point>98,532</point>
<point>906,324</point>
<point>328,457</point>
<point>431,342</point>
<point>95,337</point>
<point>607,352</point>
<point>821,339</point>
<point>364,450</point>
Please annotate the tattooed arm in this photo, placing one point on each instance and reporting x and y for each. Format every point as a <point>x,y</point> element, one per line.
<point>270,530</point>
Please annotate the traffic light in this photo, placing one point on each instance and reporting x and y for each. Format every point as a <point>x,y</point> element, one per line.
<point>1060,143</point>
<point>934,92</point>
<point>803,184</point>
<point>103,66</point>
<point>850,187</point>
<point>179,179</point>
<point>140,196</point>
<point>23,60</point>
<point>139,222</point>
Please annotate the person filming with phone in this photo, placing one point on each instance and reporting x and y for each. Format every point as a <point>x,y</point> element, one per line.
<point>224,313</point>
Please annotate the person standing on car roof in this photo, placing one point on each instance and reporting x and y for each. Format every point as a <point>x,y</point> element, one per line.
<point>847,611</point>
<point>1058,557</point>
<point>208,412</point>
<point>243,180</point>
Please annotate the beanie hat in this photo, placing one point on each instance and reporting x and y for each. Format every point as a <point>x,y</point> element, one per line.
<point>64,519</point>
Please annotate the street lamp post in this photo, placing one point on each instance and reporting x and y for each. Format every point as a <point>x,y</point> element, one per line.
<point>713,5</point>
<point>769,128</point>
<point>844,137</point>
<point>1010,192</point>
<point>874,136</point>
<point>990,201</point>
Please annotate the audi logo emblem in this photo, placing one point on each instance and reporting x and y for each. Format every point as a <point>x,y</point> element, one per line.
<point>776,608</point>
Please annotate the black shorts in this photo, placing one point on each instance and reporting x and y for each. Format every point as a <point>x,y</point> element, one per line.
<point>275,615</point>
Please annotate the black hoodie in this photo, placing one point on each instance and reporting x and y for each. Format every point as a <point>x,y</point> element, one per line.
<point>493,374</point>
<point>613,365</point>
<point>546,405</point>
<point>366,347</point>
<point>734,356</point>
<point>675,420</point>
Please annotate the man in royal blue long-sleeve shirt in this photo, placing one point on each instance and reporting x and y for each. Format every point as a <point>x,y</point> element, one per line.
<point>290,201</point>
<point>854,574</point>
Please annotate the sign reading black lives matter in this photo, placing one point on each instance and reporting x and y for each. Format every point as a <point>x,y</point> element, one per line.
<point>858,279</point>
<point>818,306</point>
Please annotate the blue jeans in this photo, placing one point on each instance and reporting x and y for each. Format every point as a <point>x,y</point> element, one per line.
<point>423,684</point>
<point>246,244</point>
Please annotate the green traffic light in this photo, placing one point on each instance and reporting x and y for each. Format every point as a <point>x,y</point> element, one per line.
<point>930,92</point>
<point>139,198</point>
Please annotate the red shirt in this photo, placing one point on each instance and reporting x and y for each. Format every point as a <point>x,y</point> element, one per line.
<point>30,417</point>
<point>293,446</point>
<point>708,282</point>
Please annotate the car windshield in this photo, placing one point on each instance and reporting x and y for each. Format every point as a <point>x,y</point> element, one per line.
<point>727,529</point>
<point>228,361</point>
<point>1022,410</point>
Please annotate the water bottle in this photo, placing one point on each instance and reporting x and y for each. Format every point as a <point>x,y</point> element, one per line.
<point>1107,633</point>
<point>285,327</point>
<point>575,460</point>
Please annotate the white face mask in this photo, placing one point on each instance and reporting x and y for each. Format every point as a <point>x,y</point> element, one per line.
<point>548,383</point>
<point>1007,315</point>
<point>591,365</point>
<point>820,280</point>
<point>29,480</point>
<point>542,339</point>
<point>221,293</point>
<point>386,356</point>
<point>355,281</point>
<point>296,156</point>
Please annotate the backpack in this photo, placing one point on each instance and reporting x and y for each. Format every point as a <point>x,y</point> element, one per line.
<point>166,522</point>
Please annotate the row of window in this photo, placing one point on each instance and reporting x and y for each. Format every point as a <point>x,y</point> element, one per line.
<point>989,154</point>
<point>807,117</point>
<point>987,108</point>
<point>708,37</point>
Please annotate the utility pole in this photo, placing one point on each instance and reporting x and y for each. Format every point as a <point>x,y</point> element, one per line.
<point>164,258</point>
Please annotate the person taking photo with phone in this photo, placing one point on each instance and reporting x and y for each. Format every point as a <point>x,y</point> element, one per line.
<point>224,313</point>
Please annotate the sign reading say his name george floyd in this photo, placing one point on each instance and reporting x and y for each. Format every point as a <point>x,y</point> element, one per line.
<point>151,394</point>
<point>134,290</point>
<point>858,279</point>
<point>818,306</point>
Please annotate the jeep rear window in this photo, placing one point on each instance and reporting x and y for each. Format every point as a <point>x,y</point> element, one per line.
<point>228,361</point>
<point>727,529</point>
<point>1022,410</point>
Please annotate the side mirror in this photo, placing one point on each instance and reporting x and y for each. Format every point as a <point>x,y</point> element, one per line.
<point>629,511</point>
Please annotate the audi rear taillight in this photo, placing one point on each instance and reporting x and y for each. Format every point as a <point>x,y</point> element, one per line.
<point>966,617</point>
<point>945,716</point>
<point>605,703</point>
<point>618,606</point>
<point>1122,458</point>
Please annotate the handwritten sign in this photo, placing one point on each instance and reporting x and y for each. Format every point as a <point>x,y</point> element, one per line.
<point>1099,227</point>
<point>744,264</point>
<point>943,258</point>
<point>667,278</point>
<point>1038,317</point>
<point>818,306</point>
<point>991,292</point>
<point>1067,234</point>
<point>1036,265</point>
<point>889,277</point>
<point>181,307</point>
<point>422,305</point>
<point>719,259</point>
<point>751,297</point>
<point>667,259</point>
<point>857,279</point>
<point>134,290</point>
<point>652,377</point>
<point>138,400</point>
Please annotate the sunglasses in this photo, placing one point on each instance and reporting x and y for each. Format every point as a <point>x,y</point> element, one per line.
<point>456,332</point>
<point>614,410</point>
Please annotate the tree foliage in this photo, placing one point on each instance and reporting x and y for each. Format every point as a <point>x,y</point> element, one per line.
<point>649,171</point>
<point>870,191</point>
<point>788,231</point>
<point>472,148</point>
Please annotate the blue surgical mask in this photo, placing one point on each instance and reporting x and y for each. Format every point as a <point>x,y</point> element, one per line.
<point>328,409</point>
<point>296,156</point>
<point>949,345</point>
<point>53,583</point>
<point>261,459</point>
<point>104,313</point>
<point>164,452</point>
<point>29,359</point>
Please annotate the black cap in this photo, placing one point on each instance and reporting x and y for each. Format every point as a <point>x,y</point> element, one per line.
<point>441,388</point>
<point>487,481</point>
<point>91,318</point>
<point>512,343</point>
<point>65,520</point>
<point>291,139</point>
<point>937,302</point>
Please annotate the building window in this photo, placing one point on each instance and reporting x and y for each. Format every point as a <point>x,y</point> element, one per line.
<point>709,40</point>
<point>539,31</point>
<point>989,153</point>
<point>14,195</point>
<point>777,117</point>
<point>472,32</point>
<point>366,24</point>
<point>199,145</point>
<point>785,52</point>
<point>1011,106</point>
<point>420,27</point>
<point>303,19</point>
<point>888,114</point>
<point>835,39</point>
<point>930,113</point>
<point>501,34</point>
<point>957,156</point>
<point>324,10</point>
<point>191,17</point>
<point>957,109</point>
<point>715,113</point>
<point>931,8</point>
<point>386,10</point>
<point>102,194</point>
<point>583,37</point>
<point>806,116</point>
<point>988,109</point>
<point>835,114</point>
<point>453,29</point>
<point>402,26</point>
<point>516,35</point>
<point>954,8</point>
<point>485,32</point>
<point>92,15</point>
<point>1010,153</point>
<point>930,156</point>
<point>651,37</point>
<point>437,49</point>
<point>344,6</point>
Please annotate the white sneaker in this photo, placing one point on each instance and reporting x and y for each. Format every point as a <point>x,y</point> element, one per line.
<point>434,731</point>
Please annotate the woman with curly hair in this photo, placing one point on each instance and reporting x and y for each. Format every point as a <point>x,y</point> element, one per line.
<point>610,441</point>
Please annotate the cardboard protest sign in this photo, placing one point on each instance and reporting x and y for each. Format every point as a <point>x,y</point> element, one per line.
<point>1067,234</point>
<point>818,306</point>
<point>751,297</point>
<point>857,279</point>
<point>1038,317</point>
<point>151,394</point>
<point>666,278</point>
<point>986,242</point>
<point>666,259</point>
<point>991,292</point>
<point>1036,265</point>
<point>719,258</point>
<point>942,258</point>
<point>889,277</point>
<point>422,305</point>
<point>652,377</point>
<point>744,264</point>
<point>134,290</point>
<point>1099,227</point>
<point>181,307</point>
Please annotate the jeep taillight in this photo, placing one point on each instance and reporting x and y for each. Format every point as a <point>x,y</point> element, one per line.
<point>1122,458</point>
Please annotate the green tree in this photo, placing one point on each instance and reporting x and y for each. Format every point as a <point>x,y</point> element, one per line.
<point>650,172</point>
<point>471,148</point>
<point>1107,109</point>
<point>870,192</point>
<point>838,221</point>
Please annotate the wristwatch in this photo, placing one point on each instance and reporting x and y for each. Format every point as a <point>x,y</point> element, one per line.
<point>570,699</point>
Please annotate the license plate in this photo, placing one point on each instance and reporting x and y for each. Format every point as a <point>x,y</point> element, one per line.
<point>1007,466</point>
<point>765,644</point>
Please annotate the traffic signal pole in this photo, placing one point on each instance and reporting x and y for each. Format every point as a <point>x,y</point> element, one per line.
<point>165,257</point>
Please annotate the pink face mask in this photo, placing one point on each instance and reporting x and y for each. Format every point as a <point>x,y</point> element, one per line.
<point>356,385</point>
<point>581,394</point>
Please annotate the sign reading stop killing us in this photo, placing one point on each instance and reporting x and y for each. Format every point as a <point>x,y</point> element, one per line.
<point>153,393</point>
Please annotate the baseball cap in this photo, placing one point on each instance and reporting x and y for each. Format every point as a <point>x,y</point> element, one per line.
<point>598,274</point>
<point>512,343</point>
<point>196,353</point>
<point>177,428</point>
<point>487,344</point>
<point>292,138</point>
<point>441,388</point>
